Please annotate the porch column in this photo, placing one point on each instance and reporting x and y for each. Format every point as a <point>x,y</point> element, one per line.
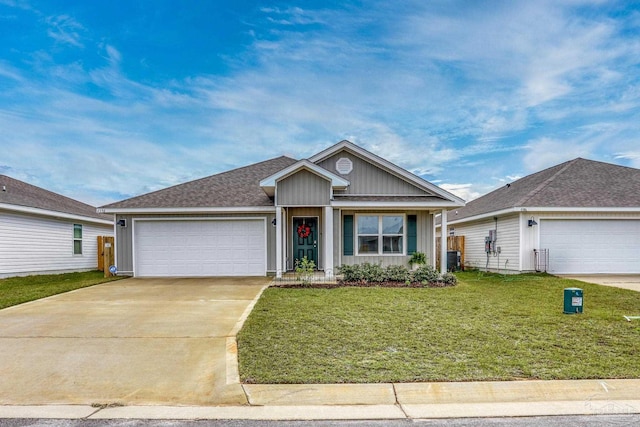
<point>443,241</point>
<point>279,228</point>
<point>328,241</point>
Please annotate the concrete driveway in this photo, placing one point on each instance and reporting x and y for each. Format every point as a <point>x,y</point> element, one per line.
<point>134,341</point>
<point>624,281</point>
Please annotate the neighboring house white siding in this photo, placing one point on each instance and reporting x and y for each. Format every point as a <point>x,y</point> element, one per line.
<point>508,240</point>
<point>518,240</point>
<point>36,244</point>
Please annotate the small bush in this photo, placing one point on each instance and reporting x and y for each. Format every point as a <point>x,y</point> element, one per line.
<point>397,273</point>
<point>351,273</point>
<point>373,273</point>
<point>426,274</point>
<point>305,268</point>
<point>449,279</point>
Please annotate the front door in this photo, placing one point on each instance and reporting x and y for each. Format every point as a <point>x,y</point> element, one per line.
<point>305,239</point>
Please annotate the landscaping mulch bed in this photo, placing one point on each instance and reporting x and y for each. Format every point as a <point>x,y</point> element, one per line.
<point>359,284</point>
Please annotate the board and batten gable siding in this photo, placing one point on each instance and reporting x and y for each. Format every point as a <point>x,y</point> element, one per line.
<point>366,178</point>
<point>508,240</point>
<point>37,245</point>
<point>303,188</point>
<point>124,236</point>
<point>424,234</point>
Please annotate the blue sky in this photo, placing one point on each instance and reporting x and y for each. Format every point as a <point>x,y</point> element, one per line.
<point>103,100</point>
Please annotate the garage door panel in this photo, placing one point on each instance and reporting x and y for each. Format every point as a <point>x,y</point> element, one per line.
<point>591,246</point>
<point>200,248</point>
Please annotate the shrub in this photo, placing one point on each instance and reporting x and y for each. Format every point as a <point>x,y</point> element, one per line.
<point>305,268</point>
<point>449,279</point>
<point>397,273</point>
<point>426,274</point>
<point>373,273</point>
<point>351,273</point>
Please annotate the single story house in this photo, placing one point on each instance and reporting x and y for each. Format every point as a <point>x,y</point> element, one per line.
<point>343,205</point>
<point>43,232</point>
<point>578,217</point>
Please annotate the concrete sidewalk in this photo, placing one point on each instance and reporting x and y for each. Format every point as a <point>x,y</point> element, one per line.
<point>383,401</point>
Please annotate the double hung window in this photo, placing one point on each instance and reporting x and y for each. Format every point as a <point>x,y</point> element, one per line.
<point>380,234</point>
<point>77,239</point>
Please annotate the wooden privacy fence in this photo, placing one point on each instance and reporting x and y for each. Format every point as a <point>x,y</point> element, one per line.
<point>454,243</point>
<point>106,254</point>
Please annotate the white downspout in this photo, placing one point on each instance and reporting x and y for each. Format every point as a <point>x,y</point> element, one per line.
<point>443,241</point>
<point>328,241</point>
<point>279,228</point>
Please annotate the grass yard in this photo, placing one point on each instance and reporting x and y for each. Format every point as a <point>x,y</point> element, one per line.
<point>489,327</point>
<point>17,290</point>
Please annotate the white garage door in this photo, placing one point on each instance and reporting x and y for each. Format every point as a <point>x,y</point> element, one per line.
<point>200,248</point>
<point>591,246</point>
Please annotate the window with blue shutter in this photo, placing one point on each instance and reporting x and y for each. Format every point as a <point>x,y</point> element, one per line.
<point>347,235</point>
<point>412,234</point>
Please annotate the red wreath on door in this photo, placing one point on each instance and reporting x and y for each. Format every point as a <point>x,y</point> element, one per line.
<point>304,231</point>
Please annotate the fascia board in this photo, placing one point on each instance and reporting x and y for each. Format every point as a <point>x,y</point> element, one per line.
<point>426,185</point>
<point>394,205</point>
<point>336,181</point>
<point>533,209</point>
<point>54,214</point>
<point>451,218</point>
<point>265,209</point>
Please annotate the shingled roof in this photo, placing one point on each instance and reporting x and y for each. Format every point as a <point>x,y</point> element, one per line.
<point>578,183</point>
<point>19,193</point>
<point>235,188</point>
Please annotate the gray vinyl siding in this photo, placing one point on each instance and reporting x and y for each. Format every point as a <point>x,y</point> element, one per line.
<point>303,188</point>
<point>367,179</point>
<point>124,237</point>
<point>423,243</point>
<point>32,244</point>
<point>508,240</point>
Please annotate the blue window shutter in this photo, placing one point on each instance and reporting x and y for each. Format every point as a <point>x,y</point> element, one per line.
<point>412,234</point>
<point>347,235</point>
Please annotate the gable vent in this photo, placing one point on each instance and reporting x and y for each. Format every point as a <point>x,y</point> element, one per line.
<point>344,166</point>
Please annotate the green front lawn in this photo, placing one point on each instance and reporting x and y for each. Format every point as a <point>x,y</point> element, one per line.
<point>16,290</point>
<point>489,327</point>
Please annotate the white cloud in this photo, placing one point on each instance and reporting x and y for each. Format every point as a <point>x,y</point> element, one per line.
<point>443,91</point>
<point>467,192</point>
<point>65,29</point>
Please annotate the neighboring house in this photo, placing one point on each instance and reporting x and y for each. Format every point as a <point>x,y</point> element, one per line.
<point>44,232</point>
<point>344,205</point>
<point>584,214</point>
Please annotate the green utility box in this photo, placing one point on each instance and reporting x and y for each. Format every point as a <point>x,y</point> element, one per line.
<point>573,300</point>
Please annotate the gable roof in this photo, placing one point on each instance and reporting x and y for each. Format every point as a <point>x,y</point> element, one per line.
<point>269,183</point>
<point>20,196</point>
<point>235,188</point>
<point>578,183</point>
<point>389,167</point>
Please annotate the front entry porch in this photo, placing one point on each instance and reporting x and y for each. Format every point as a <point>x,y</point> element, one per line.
<point>300,232</point>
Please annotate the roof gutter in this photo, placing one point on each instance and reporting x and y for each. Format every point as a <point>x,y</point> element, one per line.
<point>54,214</point>
<point>394,205</point>
<point>486,215</point>
<point>265,209</point>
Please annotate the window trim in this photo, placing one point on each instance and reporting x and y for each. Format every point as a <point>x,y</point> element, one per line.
<point>380,235</point>
<point>77,239</point>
